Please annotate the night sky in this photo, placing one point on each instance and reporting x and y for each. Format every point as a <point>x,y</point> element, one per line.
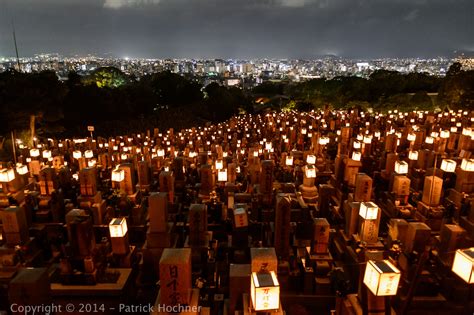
<point>239,28</point>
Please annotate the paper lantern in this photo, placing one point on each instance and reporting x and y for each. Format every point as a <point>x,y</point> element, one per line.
<point>466,131</point>
<point>411,137</point>
<point>356,156</point>
<point>454,129</point>
<point>311,159</point>
<point>382,278</point>
<point>369,210</point>
<point>289,160</point>
<point>46,154</point>
<point>92,163</point>
<point>161,153</point>
<point>7,175</point>
<point>310,172</point>
<point>377,134</point>
<point>34,152</point>
<point>123,156</point>
<point>413,155</point>
<point>448,165</point>
<point>77,154</point>
<point>21,169</point>
<point>356,145</point>
<point>88,154</point>
<point>463,264</point>
<point>467,165</point>
<point>222,175</point>
<point>444,134</point>
<point>268,146</point>
<point>368,140</point>
<point>401,167</point>
<point>323,140</point>
<point>255,153</point>
<point>265,291</point>
<point>219,164</point>
<point>118,175</point>
<point>118,227</point>
<point>429,140</point>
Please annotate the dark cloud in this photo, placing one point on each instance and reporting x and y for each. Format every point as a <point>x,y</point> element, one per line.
<point>239,28</point>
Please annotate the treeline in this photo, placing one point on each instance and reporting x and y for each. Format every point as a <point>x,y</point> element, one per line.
<point>382,90</point>
<point>112,102</point>
<point>116,103</point>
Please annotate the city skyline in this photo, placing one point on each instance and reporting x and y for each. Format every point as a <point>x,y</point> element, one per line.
<point>239,29</point>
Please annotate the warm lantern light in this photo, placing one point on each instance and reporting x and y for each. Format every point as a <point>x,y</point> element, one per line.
<point>466,131</point>
<point>34,152</point>
<point>289,161</point>
<point>88,154</point>
<point>448,165</point>
<point>268,146</point>
<point>377,134</point>
<point>7,175</point>
<point>401,167</point>
<point>323,140</point>
<point>368,140</point>
<point>356,145</point>
<point>265,291</point>
<point>369,210</point>
<point>92,163</point>
<point>160,152</point>
<point>219,164</point>
<point>255,153</point>
<point>463,264</point>
<point>118,227</point>
<point>46,154</point>
<point>413,155</point>
<point>311,159</point>
<point>444,134</point>
<point>411,137</point>
<point>21,169</point>
<point>77,154</point>
<point>356,156</point>
<point>222,175</point>
<point>123,156</point>
<point>454,129</point>
<point>381,277</point>
<point>429,140</point>
<point>310,172</point>
<point>467,165</point>
<point>118,175</point>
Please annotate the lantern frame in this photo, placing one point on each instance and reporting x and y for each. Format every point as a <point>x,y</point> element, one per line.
<point>463,264</point>
<point>382,278</point>
<point>118,227</point>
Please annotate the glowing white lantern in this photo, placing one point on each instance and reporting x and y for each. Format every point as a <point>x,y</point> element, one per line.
<point>377,134</point>
<point>429,140</point>
<point>382,277</point>
<point>467,165</point>
<point>413,155</point>
<point>161,153</point>
<point>310,159</point>
<point>268,146</point>
<point>463,264</point>
<point>411,137</point>
<point>222,175</point>
<point>219,164</point>
<point>454,129</point>
<point>401,167</point>
<point>118,227</point>
<point>77,154</point>
<point>46,154</point>
<point>21,169</point>
<point>265,291</point>
<point>368,140</point>
<point>310,171</point>
<point>92,163</point>
<point>118,175</point>
<point>356,145</point>
<point>368,210</point>
<point>466,131</point>
<point>88,154</point>
<point>444,134</point>
<point>7,175</point>
<point>448,165</point>
<point>356,156</point>
<point>34,152</point>
<point>323,140</point>
<point>123,156</point>
<point>289,160</point>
